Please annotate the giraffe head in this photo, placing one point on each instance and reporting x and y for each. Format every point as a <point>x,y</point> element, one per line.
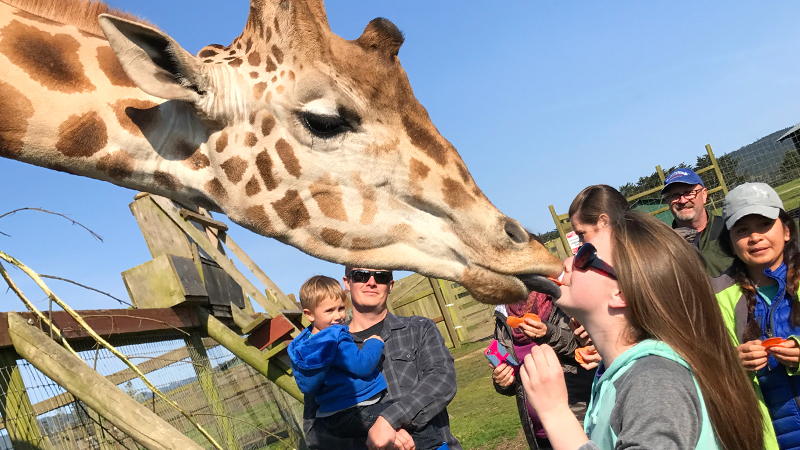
<point>319,142</point>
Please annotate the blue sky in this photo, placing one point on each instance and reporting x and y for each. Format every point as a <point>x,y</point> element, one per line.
<point>540,98</point>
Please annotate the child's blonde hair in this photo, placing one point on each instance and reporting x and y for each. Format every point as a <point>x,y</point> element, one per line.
<point>318,288</point>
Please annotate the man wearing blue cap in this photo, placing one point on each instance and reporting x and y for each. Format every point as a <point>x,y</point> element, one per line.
<point>686,195</point>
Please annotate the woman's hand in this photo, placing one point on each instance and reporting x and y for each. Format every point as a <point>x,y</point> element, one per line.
<point>591,358</point>
<point>533,329</point>
<point>544,385</point>
<point>752,355</point>
<point>787,353</point>
<point>543,380</point>
<point>503,375</point>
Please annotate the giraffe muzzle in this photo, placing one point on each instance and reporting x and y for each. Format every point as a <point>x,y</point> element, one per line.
<point>541,284</point>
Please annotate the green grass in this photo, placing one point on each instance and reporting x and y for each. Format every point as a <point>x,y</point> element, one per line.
<point>789,194</point>
<point>480,417</point>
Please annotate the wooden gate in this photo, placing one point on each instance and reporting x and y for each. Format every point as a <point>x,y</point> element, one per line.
<point>459,317</point>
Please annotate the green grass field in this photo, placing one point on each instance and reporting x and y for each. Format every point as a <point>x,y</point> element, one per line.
<point>479,417</point>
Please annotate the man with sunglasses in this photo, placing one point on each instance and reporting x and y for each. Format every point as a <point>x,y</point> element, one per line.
<point>418,368</point>
<point>686,196</point>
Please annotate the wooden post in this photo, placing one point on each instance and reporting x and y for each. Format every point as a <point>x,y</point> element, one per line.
<point>560,229</point>
<point>74,375</point>
<point>661,174</point>
<point>249,354</point>
<point>448,320</point>
<point>15,406</point>
<point>205,375</point>
<point>717,169</point>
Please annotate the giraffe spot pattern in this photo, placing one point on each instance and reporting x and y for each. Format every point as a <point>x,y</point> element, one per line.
<point>222,142</point>
<point>17,110</point>
<point>234,169</point>
<point>328,195</point>
<point>361,243</point>
<point>332,237</point>
<point>267,123</point>
<point>279,89</point>
<point>369,200</point>
<point>270,67</point>
<point>278,54</point>
<point>252,118</point>
<point>138,117</point>
<point>252,187</point>
<point>167,181</point>
<point>248,45</point>
<point>254,75</point>
<point>455,195</point>
<point>258,220</point>
<point>291,210</point>
<point>215,189</point>
<point>258,89</point>
<point>117,165</point>
<point>462,170</point>
<point>425,141</point>
<point>236,62</point>
<point>82,135</point>
<point>291,75</point>
<point>191,155</point>
<point>267,34</point>
<point>286,153</point>
<point>207,53</point>
<point>250,139</point>
<point>419,171</point>
<point>277,26</point>
<point>264,166</point>
<point>56,65</point>
<point>254,59</point>
<point>109,64</point>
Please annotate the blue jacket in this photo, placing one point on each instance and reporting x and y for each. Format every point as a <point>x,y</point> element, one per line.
<point>780,388</point>
<point>329,366</point>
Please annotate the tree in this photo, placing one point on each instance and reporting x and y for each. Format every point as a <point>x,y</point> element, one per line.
<point>790,168</point>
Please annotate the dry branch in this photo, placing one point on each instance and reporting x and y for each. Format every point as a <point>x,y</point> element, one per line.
<point>74,222</point>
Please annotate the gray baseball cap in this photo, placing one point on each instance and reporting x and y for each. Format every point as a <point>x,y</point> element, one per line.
<point>751,198</point>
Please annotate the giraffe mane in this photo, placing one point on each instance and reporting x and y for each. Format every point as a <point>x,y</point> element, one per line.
<point>82,14</point>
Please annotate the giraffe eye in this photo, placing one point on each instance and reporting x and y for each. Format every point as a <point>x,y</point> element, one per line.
<point>324,127</point>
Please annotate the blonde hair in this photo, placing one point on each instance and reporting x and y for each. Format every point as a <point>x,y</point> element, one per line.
<point>317,289</point>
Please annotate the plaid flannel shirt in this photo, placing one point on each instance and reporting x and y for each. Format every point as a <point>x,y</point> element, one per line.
<point>421,376</point>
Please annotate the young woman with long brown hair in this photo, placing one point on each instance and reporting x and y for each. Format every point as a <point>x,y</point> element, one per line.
<point>669,377</point>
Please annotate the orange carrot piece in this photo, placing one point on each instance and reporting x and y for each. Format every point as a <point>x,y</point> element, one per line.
<point>771,342</point>
<point>515,322</point>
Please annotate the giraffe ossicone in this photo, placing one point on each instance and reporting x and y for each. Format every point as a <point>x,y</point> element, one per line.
<point>291,131</point>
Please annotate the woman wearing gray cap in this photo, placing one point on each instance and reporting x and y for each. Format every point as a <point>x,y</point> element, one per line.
<point>758,297</point>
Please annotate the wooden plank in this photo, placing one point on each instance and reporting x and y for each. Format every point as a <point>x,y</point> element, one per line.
<point>448,321</point>
<point>413,298</point>
<point>72,373</point>
<point>16,408</point>
<point>114,322</point>
<point>272,288</point>
<point>202,220</point>
<point>222,288</point>
<point>249,354</point>
<point>269,332</point>
<point>269,306</point>
<point>405,286</point>
<point>160,283</point>
<point>159,233</point>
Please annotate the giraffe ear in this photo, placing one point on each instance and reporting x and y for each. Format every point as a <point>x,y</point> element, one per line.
<point>381,35</point>
<point>153,60</point>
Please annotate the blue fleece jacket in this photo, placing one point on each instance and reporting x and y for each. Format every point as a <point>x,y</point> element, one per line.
<point>329,366</point>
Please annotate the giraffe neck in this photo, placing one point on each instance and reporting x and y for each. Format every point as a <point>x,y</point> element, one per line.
<point>89,119</point>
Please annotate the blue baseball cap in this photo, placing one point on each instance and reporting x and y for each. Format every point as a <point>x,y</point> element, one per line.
<point>683,175</point>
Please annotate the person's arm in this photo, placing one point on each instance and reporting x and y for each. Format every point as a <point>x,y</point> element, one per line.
<point>436,386</point>
<point>359,363</point>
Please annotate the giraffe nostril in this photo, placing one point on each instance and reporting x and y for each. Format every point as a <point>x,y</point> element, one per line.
<point>516,233</point>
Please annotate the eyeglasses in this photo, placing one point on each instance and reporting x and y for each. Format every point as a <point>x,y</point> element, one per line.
<point>587,257</point>
<point>362,276</point>
<point>689,196</point>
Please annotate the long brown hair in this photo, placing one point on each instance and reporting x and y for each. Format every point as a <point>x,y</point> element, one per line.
<point>595,200</point>
<point>670,298</point>
<point>738,271</point>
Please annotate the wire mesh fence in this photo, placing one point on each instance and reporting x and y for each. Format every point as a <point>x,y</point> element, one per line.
<point>238,406</point>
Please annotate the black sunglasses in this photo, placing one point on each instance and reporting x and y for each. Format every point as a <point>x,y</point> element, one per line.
<point>362,276</point>
<point>587,257</point>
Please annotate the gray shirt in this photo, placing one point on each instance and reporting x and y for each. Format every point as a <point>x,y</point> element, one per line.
<point>671,420</point>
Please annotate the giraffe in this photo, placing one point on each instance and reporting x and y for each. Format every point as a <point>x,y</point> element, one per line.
<point>291,131</point>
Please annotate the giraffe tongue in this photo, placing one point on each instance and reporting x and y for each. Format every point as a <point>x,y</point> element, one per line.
<point>541,284</point>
